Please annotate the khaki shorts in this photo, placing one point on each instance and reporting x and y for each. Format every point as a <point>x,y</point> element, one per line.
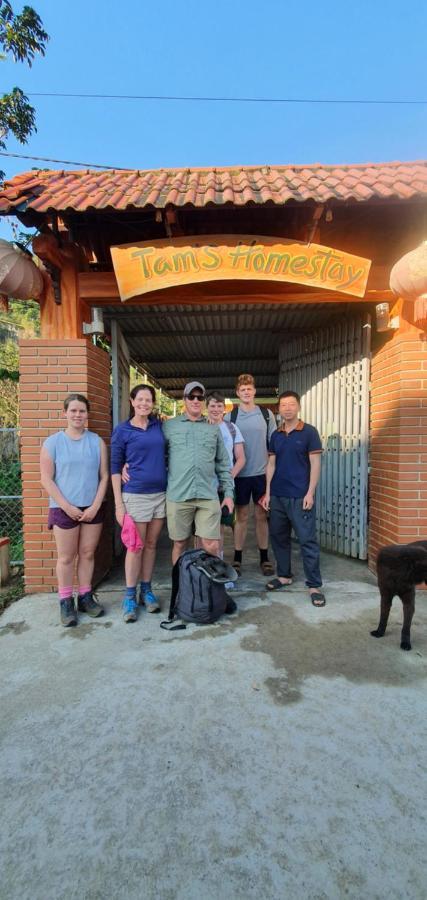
<point>145,507</point>
<point>206,515</point>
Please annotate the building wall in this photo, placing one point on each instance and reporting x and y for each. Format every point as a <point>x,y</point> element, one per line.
<point>49,370</point>
<point>398,479</point>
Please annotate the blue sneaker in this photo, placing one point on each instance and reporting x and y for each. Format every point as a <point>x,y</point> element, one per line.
<point>129,608</point>
<point>150,601</point>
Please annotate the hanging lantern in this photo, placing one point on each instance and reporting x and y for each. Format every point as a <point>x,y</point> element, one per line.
<point>408,279</point>
<point>19,276</point>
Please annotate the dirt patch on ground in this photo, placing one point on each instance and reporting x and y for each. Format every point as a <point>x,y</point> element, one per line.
<point>14,628</point>
<point>300,650</point>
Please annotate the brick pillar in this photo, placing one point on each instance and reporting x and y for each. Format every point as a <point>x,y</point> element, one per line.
<point>49,370</point>
<point>398,479</point>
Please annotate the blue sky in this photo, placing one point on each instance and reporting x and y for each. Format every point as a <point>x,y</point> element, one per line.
<point>366,50</point>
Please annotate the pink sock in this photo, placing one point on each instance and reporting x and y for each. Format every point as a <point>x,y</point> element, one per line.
<point>84,589</point>
<point>65,592</point>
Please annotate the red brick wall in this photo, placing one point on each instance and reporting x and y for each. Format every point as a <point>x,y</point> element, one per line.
<point>49,370</point>
<point>398,479</point>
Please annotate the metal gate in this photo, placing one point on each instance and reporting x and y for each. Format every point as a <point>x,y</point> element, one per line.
<point>120,374</point>
<point>11,493</point>
<point>330,370</point>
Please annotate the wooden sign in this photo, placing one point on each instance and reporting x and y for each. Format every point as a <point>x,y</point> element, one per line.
<point>152,265</point>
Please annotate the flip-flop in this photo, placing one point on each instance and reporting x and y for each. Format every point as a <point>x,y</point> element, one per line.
<point>276,585</point>
<point>318,599</point>
<point>267,567</point>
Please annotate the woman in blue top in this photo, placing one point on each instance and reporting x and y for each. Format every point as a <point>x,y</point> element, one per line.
<point>139,443</point>
<point>74,472</point>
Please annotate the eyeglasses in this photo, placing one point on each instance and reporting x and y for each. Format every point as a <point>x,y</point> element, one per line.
<point>199,397</point>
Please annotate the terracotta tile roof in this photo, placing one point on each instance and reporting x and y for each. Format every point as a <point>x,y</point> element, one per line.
<point>134,189</point>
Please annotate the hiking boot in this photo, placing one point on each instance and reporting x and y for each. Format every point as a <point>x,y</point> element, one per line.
<point>150,601</point>
<point>231,606</point>
<point>129,610</point>
<point>86,603</point>
<point>68,612</point>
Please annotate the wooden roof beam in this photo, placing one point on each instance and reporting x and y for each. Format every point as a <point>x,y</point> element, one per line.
<point>101,288</point>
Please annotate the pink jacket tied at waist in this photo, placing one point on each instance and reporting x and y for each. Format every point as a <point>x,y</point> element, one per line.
<point>130,534</point>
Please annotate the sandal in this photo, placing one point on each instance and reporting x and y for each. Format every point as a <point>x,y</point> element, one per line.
<point>276,585</point>
<point>267,567</point>
<point>237,566</point>
<point>318,599</point>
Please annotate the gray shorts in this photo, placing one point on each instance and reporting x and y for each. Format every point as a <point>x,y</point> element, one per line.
<point>145,507</point>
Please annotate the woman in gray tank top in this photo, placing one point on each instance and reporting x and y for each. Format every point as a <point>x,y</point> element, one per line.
<point>74,472</point>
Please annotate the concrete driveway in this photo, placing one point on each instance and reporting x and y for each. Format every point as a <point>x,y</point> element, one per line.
<point>278,754</point>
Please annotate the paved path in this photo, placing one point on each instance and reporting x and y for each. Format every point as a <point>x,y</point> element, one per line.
<point>278,754</point>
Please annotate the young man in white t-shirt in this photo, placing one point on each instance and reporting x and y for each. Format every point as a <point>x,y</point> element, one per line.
<point>232,436</point>
<point>234,445</point>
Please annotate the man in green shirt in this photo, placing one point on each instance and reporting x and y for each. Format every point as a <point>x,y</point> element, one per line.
<point>196,454</point>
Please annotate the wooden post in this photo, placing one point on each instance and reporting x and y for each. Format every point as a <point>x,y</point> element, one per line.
<point>62,312</point>
<point>4,560</point>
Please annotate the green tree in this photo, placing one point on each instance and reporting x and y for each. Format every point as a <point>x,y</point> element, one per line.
<point>22,36</point>
<point>26,316</point>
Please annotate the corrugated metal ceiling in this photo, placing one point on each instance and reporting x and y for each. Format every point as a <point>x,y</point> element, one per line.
<point>214,342</point>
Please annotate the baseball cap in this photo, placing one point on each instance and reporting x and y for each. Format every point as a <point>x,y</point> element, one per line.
<point>191,386</point>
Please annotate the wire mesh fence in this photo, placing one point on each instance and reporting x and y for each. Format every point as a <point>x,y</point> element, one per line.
<point>11,493</point>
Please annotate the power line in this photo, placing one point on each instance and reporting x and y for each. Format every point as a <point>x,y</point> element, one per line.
<point>66,162</point>
<point>227,99</point>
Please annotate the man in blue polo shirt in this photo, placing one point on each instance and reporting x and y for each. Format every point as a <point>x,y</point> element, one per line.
<point>293,472</point>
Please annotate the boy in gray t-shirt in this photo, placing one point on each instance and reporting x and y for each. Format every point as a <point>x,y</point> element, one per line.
<point>257,424</point>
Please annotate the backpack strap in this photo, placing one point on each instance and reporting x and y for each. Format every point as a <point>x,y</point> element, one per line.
<point>167,623</point>
<point>264,412</point>
<point>233,431</point>
<point>265,415</point>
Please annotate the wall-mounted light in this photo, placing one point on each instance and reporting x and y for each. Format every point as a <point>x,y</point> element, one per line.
<point>383,320</point>
<point>96,326</point>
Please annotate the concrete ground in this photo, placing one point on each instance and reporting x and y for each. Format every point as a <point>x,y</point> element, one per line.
<point>277,754</point>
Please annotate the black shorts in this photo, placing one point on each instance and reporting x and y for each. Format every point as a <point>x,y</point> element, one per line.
<point>254,486</point>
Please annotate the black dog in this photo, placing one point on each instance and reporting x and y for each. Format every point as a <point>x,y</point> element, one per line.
<point>399,568</point>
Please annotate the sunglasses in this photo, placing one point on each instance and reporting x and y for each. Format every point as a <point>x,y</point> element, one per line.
<point>192,396</point>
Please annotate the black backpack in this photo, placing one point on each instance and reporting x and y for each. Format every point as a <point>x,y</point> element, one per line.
<point>198,592</point>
